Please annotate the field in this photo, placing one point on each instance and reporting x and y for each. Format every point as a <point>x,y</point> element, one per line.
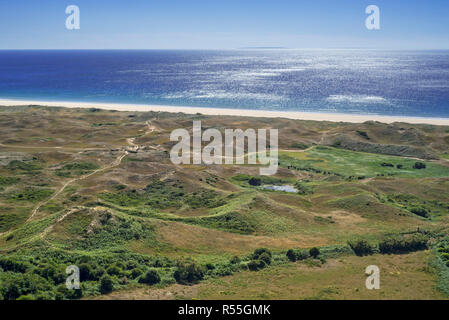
<point>97,189</point>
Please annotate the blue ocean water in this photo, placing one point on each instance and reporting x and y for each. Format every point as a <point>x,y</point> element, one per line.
<point>402,83</point>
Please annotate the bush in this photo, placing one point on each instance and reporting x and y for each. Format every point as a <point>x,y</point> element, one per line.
<point>187,273</point>
<point>114,270</point>
<point>86,273</point>
<point>297,255</point>
<point>255,181</point>
<point>361,248</point>
<point>258,252</point>
<point>235,260</point>
<point>314,252</point>
<point>403,244</point>
<point>150,278</point>
<point>106,284</point>
<point>291,255</point>
<point>135,273</point>
<point>420,212</point>
<point>265,257</point>
<point>255,265</point>
<point>419,165</point>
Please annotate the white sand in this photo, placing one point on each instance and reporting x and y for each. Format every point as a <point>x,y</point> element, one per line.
<point>335,117</point>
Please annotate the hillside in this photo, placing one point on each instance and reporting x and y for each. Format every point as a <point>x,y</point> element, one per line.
<point>97,189</point>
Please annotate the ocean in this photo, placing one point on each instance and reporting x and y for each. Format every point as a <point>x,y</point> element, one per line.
<point>352,81</point>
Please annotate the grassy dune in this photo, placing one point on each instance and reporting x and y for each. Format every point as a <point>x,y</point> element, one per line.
<point>75,190</point>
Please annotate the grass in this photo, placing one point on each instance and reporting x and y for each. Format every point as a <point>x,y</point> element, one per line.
<point>341,278</point>
<point>358,164</point>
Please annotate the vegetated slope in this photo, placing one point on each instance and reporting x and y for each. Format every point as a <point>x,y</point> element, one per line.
<point>72,193</point>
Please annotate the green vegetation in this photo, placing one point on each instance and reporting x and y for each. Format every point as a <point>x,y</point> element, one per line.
<point>327,160</point>
<point>25,166</point>
<point>8,181</point>
<point>403,244</point>
<point>76,169</point>
<point>143,221</point>
<point>29,194</point>
<point>361,248</point>
<point>188,273</point>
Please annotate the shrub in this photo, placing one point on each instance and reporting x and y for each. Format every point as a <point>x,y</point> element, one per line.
<point>301,255</point>
<point>8,264</point>
<point>106,284</point>
<point>135,273</point>
<point>266,258</point>
<point>361,247</point>
<point>150,278</point>
<point>403,244</point>
<point>114,270</point>
<point>314,252</point>
<point>187,273</point>
<point>420,212</point>
<point>258,252</point>
<point>297,255</point>
<point>291,255</point>
<point>235,260</point>
<point>255,181</point>
<point>86,273</point>
<point>419,165</point>
<point>255,265</point>
<point>386,164</point>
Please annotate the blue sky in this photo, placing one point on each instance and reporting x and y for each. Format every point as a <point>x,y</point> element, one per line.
<point>225,24</point>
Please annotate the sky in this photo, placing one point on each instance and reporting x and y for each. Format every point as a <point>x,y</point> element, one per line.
<point>225,24</point>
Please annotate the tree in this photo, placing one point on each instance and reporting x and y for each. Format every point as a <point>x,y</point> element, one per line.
<point>106,284</point>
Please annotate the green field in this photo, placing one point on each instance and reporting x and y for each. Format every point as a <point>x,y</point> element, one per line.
<point>360,164</point>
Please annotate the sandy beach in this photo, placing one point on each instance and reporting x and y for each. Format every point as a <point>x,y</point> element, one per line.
<point>334,117</point>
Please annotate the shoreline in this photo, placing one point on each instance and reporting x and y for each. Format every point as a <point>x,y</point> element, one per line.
<point>295,115</point>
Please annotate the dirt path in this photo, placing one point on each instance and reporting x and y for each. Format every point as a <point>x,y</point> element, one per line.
<point>116,162</point>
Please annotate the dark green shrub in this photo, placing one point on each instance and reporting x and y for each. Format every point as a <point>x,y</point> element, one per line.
<point>150,278</point>
<point>235,260</point>
<point>135,273</point>
<point>187,273</point>
<point>255,265</point>
<point>291,255</point>
<point>419,165</point>
<point>86,273</point>
<point>361,247</point>
<point>106,284</point>
<point>8,264</point>
<point>403,244</point>
<point>114,270</point>
<point>255,181</point>
<point>314,252</point>
<point>258,252</point>
<point>265,257</point>
<point>297,255</point>
<point>420,212</point>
